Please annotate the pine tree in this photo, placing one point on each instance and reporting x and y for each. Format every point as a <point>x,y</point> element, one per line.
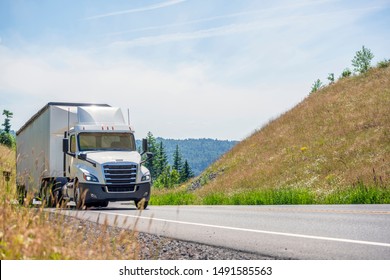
<point>7,122</point>
<point>6,138</point>
<point>161,160</point>
<point>152,147</point>
<point>186,172</point>
<point>177,160</point>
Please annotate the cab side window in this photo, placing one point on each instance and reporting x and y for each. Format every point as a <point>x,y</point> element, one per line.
<point>72,144</point>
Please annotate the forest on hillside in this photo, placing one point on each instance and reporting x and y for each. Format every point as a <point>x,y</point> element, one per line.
<point>199,153</point>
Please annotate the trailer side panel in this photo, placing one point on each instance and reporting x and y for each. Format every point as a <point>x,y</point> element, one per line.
<point>33,144</point>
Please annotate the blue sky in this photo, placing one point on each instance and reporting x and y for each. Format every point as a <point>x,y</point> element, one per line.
<point>184,68</point>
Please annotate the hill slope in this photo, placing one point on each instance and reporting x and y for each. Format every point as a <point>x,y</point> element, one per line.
<point>333,139</point>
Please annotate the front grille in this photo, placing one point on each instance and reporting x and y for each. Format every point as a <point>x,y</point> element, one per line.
<point>119,189</point>
<point>120,175</point>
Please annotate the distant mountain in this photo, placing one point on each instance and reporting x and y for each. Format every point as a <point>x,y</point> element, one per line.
<point>199,153</point>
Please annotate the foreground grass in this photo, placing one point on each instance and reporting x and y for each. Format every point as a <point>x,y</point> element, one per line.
<point>32,233</point>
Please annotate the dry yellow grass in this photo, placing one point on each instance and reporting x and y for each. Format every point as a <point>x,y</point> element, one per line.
<point>332,139</point>
<point>32,233</point>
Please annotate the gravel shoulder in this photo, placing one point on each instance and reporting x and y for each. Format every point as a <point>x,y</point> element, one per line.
<point>162,248</point>
<point>153,247</point>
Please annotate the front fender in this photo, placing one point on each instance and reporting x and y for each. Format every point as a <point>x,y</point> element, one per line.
<point>81,171</point>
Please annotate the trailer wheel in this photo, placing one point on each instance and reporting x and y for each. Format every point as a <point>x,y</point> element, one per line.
<point>46,193</point>
<point>21,193</point>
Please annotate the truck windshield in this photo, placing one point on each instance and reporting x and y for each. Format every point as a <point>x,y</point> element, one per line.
<point>95,141</point>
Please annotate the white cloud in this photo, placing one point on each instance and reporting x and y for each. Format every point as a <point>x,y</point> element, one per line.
<point>264,13</point>
<point>182,103</point>
<point>199,34</point>
<point>267,22</point>
<point>138,10</point>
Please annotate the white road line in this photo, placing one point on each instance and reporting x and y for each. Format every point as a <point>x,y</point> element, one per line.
<point>252,230</point>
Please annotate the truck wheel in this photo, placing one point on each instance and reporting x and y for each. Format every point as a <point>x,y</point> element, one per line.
<point>58,198</point>
<point>141,204</point>
<point>103,204</point>
<point>77,196</point>
<point>57,191</point>
<point>48,195</point>
<point>49,198</point>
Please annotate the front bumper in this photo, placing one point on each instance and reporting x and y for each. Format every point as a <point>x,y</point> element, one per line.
<point>99,193</point>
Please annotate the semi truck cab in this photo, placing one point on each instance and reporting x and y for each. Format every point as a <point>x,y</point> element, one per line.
<point>99,159</point>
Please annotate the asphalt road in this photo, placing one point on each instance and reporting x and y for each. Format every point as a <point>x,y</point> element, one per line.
<point>283,232</point>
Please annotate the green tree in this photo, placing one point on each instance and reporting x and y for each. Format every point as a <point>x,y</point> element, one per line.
<point>6,138</point>
<point>177,159</point>
<point>153,148</point>
<point>161,161</point>
<point>168,178</point>
<point>186,173</point>
<point>7,122</point>
<point>362,60</point>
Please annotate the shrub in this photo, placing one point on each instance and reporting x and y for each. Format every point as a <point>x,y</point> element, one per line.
<point>167,179</point>
<point>362,60</point>
<point>384,63</point>
<point>346,73</point>
<point>331,78</point>
<point>316,86</point>
<point>7,139</point>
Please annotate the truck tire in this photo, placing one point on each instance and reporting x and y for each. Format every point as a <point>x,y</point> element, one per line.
<point>46,194</point>
<point>103,204</point>
<point>57,191</point>
<point>141,204</point>
<point>57,198</point>
<point>78,196</point>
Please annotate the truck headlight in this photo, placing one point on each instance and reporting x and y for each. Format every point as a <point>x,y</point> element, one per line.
<point>145,177</point>
<point>90,178</point>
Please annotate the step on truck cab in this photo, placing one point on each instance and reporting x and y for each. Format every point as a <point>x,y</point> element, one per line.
<point>83,155</point>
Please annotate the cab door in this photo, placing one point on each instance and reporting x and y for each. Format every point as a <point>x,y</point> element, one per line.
<point>71,157</point>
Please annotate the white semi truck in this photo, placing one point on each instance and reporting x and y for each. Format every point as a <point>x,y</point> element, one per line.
<point>82,155</point>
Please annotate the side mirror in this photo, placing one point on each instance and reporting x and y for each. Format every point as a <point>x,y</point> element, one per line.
<point>65,145</point>
<point>149,155</point>
<point>144,145</point>
<point>82,156</point>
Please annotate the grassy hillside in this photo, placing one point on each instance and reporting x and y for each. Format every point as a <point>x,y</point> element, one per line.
<point>336,141</point>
